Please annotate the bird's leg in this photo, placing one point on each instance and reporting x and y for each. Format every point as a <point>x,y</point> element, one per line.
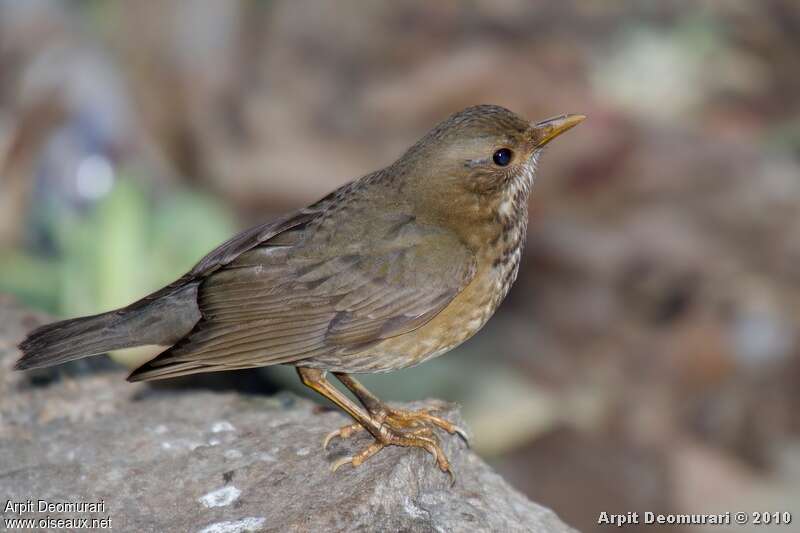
<point>417,425</point>
<point>384,434</point>
<point>397,418</point>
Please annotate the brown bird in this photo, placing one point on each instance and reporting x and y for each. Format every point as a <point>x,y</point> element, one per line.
<point>388,271</point>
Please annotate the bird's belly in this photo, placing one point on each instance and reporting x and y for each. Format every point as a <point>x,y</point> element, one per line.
<point>459,321</point>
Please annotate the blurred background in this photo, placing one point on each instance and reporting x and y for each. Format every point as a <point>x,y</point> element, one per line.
<point>648,357</point>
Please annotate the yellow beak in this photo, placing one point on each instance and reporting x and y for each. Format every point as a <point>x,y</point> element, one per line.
<point>547,130</point>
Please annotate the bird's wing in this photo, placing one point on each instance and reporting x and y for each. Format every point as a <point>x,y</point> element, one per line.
<point>273,231</point>
<point>231,249</point>
<point>275,304</point>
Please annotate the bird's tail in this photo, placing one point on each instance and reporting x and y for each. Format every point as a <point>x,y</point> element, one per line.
<point>160,319</point>
<point>74,339</point>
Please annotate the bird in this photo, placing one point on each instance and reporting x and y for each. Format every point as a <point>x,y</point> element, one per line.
<point>386,272</point>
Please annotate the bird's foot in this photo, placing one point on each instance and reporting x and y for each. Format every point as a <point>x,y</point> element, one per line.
<point>413,438</point>
<point>399,427</point>
<point>400,419</point>
<point>407,418</point>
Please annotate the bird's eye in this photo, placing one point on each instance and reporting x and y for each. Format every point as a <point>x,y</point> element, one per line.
<point>502,157</point>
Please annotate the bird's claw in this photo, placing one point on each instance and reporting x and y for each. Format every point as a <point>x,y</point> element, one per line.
<point>343,433</point>
<point>417,438</point>
<point>400,427</point>
<point>407,418</point>
<point>462,433</point>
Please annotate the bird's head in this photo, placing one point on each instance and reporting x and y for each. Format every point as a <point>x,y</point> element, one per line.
<point>485,151</point>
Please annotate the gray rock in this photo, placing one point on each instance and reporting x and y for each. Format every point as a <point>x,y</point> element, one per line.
<point>166,460</point>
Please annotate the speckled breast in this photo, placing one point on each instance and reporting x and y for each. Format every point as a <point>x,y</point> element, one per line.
<point>501,243</point>
<point>459,321</point>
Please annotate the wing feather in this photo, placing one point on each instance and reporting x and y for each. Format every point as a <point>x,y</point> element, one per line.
<point>285,304</point>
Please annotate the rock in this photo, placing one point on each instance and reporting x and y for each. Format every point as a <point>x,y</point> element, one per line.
<point>186,460</point>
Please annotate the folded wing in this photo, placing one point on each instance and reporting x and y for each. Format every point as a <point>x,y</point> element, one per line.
<point>283,302</point>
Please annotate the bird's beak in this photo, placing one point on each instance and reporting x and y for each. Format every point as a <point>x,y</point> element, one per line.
<point>545,131</point>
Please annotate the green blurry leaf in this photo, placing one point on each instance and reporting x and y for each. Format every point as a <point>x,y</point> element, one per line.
<point>127,246</point>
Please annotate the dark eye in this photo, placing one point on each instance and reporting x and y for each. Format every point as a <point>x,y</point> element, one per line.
<point>502,157</point>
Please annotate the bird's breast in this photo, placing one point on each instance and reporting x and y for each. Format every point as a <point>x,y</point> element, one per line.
<point>466,314</point>
<point>497,239</point>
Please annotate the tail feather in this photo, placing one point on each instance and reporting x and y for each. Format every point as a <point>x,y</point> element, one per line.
<point>73,339</point>
<point>161,319</point>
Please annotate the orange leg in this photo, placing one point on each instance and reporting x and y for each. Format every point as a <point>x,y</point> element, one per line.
<point>403,418</point>
<point>384,429</point>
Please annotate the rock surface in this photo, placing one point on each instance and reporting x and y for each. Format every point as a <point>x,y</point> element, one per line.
<point>166,460</point>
